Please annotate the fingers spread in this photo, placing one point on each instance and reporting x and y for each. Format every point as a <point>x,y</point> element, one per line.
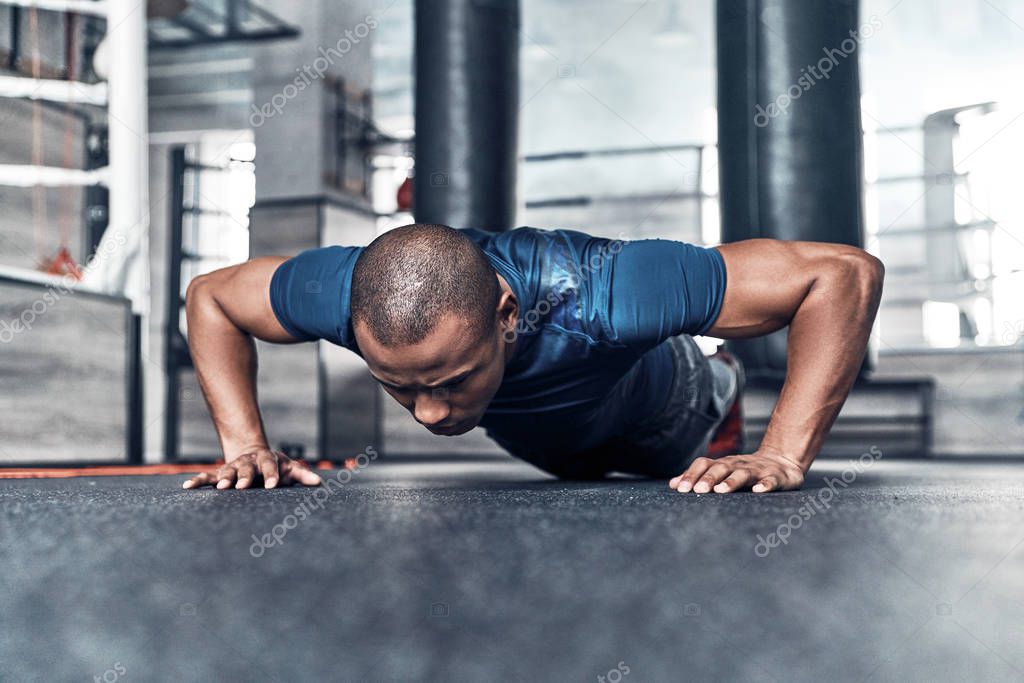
<point>241,472</point>
<point>736,472</point>
<point>268,468</point>
<point>737,480</point>
<point>203,479</point>
<point>226,475</point>
<point>246,473</point>
<point>715,474</point>
<point>684,482</point>
<point>766,484</point>
<point>300,473</point>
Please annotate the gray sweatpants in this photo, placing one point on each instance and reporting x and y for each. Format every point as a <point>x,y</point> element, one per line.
<point>703,391</point>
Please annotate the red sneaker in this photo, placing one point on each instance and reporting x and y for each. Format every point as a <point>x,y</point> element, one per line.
<point>728,438</point>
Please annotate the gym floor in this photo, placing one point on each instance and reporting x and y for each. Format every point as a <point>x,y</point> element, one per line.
<point>489,570</point>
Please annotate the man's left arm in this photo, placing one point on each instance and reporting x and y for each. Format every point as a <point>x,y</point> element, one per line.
<point>828,294</point>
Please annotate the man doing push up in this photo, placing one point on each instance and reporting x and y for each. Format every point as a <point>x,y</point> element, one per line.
<point>573,352</point>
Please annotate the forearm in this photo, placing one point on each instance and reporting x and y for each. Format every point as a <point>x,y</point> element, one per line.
<point>225,360</point>
<point>828,337</point>
<point>828,295</point>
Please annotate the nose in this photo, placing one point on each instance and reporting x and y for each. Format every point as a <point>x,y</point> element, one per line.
<point>430,411</point>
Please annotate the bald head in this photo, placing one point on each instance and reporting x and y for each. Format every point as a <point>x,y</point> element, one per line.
<point>410,277</point>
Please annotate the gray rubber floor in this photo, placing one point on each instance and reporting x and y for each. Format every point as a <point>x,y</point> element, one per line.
<point>492,571</point>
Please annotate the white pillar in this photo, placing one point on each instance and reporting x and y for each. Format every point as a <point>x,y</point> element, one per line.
<point>121,263</point>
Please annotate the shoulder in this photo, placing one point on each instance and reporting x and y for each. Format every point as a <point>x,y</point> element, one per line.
<point>310,294</point>
<point>332,257</point>
<point>313,270</point>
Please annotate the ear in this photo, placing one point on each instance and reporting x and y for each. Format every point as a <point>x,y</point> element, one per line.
<point>508,310</point>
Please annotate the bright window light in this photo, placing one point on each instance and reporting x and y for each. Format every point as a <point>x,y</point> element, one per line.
<point>941,324</point>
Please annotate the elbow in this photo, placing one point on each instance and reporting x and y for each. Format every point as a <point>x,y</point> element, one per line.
<point>871,275</point>
<point>198,295</point>
<point>861,275</point>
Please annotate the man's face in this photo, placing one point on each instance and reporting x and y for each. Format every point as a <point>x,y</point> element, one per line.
<point>447,380</point>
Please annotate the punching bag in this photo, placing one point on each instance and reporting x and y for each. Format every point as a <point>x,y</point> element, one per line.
<point>467,108</point>
<point>789,128</point>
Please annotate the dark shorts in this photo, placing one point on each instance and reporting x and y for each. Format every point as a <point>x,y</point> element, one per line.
<point>664,444</point>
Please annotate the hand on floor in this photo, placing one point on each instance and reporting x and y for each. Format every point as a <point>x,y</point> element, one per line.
<point>764,470</point>
<point>270,467</point>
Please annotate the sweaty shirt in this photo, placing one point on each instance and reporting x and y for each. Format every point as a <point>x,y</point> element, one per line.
<point>590,309</point>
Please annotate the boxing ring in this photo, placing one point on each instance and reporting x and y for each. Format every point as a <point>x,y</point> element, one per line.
<point>89,352</point>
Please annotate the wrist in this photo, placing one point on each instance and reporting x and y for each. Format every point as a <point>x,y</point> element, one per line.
<point>233,451</point>
<point>802,460</point>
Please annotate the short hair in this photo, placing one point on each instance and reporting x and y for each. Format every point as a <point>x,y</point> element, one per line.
<point>410,277</point>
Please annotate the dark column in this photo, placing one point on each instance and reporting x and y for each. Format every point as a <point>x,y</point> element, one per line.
<point>789,128</point>
<point>467,106</point>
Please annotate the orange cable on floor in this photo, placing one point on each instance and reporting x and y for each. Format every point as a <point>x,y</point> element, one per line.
<point>130,470</point>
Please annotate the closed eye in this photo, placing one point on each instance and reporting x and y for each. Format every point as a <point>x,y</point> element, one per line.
<point>447,385</point>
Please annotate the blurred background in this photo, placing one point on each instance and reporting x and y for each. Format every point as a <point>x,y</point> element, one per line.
<point>142,144</point>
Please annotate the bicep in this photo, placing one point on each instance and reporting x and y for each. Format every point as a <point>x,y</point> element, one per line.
<point>766,282</point>
<point>242,292</point>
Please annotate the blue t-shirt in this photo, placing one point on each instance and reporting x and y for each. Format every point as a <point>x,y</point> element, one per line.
<point>590,309</point>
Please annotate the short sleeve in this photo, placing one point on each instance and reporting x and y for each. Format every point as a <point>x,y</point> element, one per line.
<point>310,294</point>
<point>663,288</point>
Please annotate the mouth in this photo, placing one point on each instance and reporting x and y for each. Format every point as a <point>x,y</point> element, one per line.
<point>452,430</point>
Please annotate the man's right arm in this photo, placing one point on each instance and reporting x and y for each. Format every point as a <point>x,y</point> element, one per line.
<point>227,310</point>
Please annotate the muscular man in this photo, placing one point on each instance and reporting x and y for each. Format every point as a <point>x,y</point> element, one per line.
<point>573,352</point>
